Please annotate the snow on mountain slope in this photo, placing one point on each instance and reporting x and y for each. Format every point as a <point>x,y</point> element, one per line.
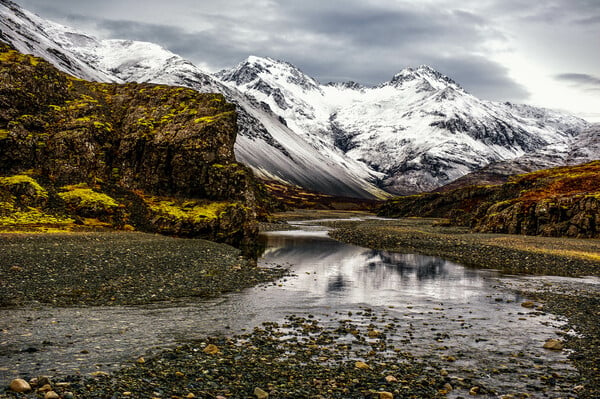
<point>580,149</point>
<point>421,129</point>
<point>416,132</point>
<point>31,34</point>
<point>264,143</point>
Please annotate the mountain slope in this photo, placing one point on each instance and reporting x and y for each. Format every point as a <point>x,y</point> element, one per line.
<point>421,129</point>
<point>561,202</point>
<point>581,149</point>
<point>264,142</point>
<point>157,157</point>
<point>417,132</point>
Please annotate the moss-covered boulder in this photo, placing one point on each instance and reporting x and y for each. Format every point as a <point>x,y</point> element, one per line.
<point>146,139</point>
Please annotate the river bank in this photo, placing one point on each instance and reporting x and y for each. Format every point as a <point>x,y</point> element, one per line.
<point>358,352</point>
<point>119,268</point>
<point>512,254</point>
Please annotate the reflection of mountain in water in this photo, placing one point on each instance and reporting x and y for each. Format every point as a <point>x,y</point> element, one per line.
<point>423,267</point>
<point>334,269</point>
<point>337,283</point>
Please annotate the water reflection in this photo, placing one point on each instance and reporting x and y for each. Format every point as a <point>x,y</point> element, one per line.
<point>329,268</point>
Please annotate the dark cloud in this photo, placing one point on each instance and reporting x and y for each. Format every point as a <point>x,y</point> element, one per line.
<point>587,82</point>
<point>368,64</point>
<point>589,21</point>
<point>364,41</point>
<point>482,77</point>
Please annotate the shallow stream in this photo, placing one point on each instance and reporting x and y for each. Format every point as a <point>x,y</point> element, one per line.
<point>452,317</point>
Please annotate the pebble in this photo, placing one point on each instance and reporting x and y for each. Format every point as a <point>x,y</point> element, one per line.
<point>211,349</point>
<point>20,386</point>
<point>391,378</point>
<point>374,333</point>
<point>361,365</point>
<point>99,374</point>
<point>45,388</point>
<point>260,394</point>
<point>51,395</point>
<point>528,304</point>
<point>553,344</point>
<point>386,395</point>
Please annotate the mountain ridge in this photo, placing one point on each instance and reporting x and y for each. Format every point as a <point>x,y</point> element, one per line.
<point>416,132</point>
<point>420,129</point>
<point>264,142</point>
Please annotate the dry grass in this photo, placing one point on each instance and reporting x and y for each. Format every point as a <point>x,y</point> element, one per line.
<point>581,249</point>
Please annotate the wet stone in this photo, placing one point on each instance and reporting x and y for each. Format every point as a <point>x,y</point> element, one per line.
<point>51,395</point>
<point>260,393</point>
<point>19,385</point>
<point>553,344</point>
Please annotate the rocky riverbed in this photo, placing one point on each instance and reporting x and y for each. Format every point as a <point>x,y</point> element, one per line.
<point>361,352</point>
<point>524,255</point>
<point>118,268</point>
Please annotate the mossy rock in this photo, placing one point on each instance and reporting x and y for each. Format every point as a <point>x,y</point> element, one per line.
<point>159,140</point>
<point>84,201</point>
<point>25,190</point>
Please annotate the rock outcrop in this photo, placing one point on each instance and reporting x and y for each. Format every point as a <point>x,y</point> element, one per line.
<point>156,157</point>
<point>559,202</point>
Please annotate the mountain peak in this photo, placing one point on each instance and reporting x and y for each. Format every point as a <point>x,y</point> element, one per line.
<point>256,68</point>
<point>426,76</point>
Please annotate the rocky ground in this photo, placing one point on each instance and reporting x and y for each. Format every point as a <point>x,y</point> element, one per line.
<point>301,357</point>
<point>118,268</point>
<point>508,253</point>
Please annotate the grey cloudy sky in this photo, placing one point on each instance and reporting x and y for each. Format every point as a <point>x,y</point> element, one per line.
<point>539,52</point>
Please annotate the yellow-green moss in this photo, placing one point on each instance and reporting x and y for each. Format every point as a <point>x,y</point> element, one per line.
<point>190,211</point>
<point>6,207</point>
<point>103,125</point>
<point>79,196</point>
<point>15,56</point>
<point>211,119</point>
<point>24,180</point>
<point>32,217</point>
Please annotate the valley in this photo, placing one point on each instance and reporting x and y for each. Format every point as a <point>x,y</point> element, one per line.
<point>171,232</point>
<point>440,330</point>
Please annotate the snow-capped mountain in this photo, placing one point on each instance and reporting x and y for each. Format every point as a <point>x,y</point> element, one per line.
<point>264,143</point>
<point>416,132</point>
<point>581,149</point>
<point>420,129</point>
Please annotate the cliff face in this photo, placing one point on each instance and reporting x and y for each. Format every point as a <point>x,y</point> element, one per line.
<point>560,202</point>
<point>163,155</point>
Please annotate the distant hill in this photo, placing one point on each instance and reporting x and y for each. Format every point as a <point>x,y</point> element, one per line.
<point>562,201</point>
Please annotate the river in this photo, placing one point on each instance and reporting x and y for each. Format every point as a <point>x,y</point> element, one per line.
<point>444,314</point>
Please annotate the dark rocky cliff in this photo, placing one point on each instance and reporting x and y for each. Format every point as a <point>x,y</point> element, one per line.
<point>153,157</point>
<point>562,201</point>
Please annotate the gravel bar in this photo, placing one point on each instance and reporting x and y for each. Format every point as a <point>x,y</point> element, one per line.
<point>119,268</point>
